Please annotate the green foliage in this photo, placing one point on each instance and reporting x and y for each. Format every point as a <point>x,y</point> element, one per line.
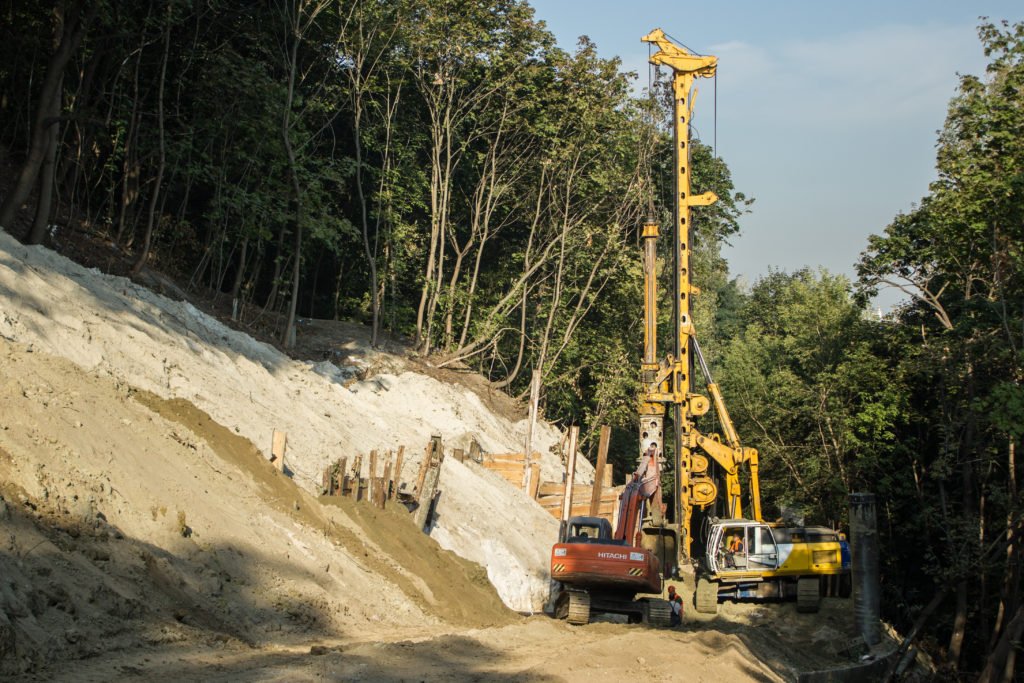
<point>958,343</point>
<point>808,386</point>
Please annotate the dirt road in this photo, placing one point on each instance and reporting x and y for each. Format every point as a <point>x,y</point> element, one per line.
<point>536,649</point>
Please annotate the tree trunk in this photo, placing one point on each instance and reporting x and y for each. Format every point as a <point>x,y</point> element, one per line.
<point>47,172</point>
<point>130,166</point>
<point>147,239</point>
<point>1001,664</point>
<point>370,252</point>
<point>288,337</point>
<point>236,286</point>
<point>72,29</point>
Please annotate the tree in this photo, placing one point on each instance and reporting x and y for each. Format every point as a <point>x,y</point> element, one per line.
<point>958,255</point>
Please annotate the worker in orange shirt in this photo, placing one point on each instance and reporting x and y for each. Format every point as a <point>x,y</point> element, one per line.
<point>676,603</point>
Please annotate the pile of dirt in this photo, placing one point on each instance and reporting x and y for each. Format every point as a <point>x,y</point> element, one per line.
<point>134,521</point>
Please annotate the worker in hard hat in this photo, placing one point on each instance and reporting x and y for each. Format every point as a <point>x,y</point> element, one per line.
<point>675,601</point>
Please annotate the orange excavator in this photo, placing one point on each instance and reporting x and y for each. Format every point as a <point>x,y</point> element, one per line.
<point>605,571</point>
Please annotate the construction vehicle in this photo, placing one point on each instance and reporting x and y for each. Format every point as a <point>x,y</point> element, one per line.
<point>767,560</point>
<point>604,571</point>
<point>747,559</point>
<point>758,560</point>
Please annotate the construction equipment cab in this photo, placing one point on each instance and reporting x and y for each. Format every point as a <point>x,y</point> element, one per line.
<point>605,570</point>
<point>750,559</point>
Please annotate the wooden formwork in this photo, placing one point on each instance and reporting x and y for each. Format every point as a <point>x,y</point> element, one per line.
<point>551,494</point>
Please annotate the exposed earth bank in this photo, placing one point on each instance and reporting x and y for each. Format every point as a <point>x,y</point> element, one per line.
<point>144,534</point>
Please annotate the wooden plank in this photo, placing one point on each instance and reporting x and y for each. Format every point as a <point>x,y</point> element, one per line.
<point>535,382</point>
<point>357,466</point>
<point>602,460</point>
<point>428,495</point>
<point>556,501</point>
<point>534,479</point>
<point>279,443</point>
<point>504,466</point>
<point>570,479</point>
<point>398,467</point>
<point>459,454</point>
<point>550,488</point>
<point>325,482</point>
<point>608,475</point>
<point>373,477</point>
<point>423,469</point>
<point>505,457</point>
<point>583,509</point>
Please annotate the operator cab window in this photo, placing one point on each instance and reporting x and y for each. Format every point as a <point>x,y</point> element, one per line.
<point>585,533</point>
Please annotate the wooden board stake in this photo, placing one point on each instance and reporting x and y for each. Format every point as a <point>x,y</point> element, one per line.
<point>602,461</point>
<point>277,448</point>
<point>570,476</point>
<point>534,480</point>
<point>428,494</point>
<point>388,485</point>
<point>534,400</point>
<point>372,476</point>
<point>398,468</point>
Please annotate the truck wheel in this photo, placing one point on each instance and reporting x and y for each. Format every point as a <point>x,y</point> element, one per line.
<point>658,613</point>
<point>808,594</point>
<point>579,608</point>
<point>706,600</point>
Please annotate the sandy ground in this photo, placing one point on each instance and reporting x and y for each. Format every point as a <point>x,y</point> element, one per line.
<point>144,534</point>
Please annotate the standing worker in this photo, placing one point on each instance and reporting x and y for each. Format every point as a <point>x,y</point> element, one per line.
<point>676,602</point>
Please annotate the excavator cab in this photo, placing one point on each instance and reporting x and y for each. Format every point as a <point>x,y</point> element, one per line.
<point>590,530</point>
<point>740,545</point>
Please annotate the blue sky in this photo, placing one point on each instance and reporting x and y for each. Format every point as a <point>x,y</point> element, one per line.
<point>827,111</point>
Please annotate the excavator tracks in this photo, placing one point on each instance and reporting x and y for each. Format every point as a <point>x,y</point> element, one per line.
<point>579,608</point>
<point>707,597</point>
<point>808,594</point>
<point>658,613</point>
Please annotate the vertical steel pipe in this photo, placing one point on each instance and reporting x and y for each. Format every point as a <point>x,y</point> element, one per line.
<point>864,554</point>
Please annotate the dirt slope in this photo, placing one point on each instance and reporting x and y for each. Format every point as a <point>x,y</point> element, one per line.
<point>144,535</point>
<point>129,519</point>
<point>112,327</point>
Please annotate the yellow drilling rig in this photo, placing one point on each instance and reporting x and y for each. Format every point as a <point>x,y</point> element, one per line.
<point>740,557</point>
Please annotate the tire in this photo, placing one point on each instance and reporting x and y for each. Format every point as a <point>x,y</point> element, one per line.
<point>706,599</point>
<point>808,594</point>
<point>658,613</point>
<point>579,608</point>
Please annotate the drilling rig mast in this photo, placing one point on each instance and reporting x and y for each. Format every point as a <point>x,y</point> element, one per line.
<point>667,382</point>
